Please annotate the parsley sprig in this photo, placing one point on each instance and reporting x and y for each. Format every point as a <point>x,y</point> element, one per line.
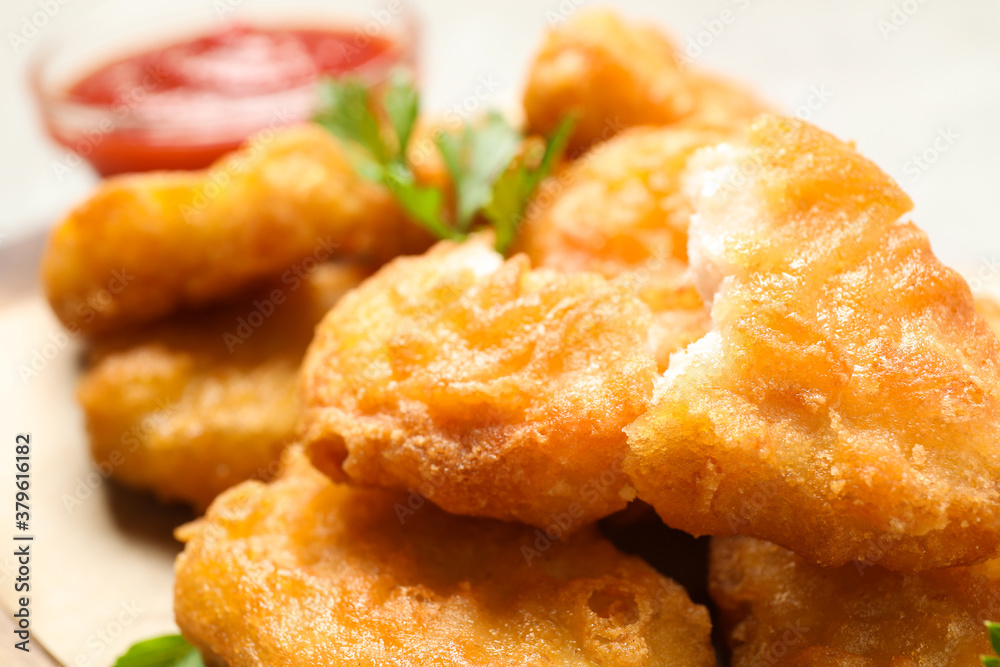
<point>493,169</point>
<point>165,651</point>
<point>992,660</point>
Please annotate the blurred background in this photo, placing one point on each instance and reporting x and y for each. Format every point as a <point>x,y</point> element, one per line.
<point>916,83</point>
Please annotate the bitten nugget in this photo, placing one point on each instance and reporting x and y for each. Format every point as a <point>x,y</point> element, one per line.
<point>308,572</point>
<point>145,245</point>
<point>848,394</point>
<point>190,407</point>
<point>620,210</point>
<point>778,609</point>
<point>613,75</point>
<point>488,387</point>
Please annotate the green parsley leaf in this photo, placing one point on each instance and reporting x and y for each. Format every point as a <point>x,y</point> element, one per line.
<point>475,157</point>
<point>554,149</point>
<point>166,651</point>
<point>490,180</point>
<point>346,112</point>
<point>402,105</point>
<point>507,204</point>
<point>512,191</point>
<point>422,203</point>
<point>994,631</point>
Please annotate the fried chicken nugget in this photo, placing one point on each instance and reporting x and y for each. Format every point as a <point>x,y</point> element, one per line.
<point>780,610</point>
<point>848,393</point>
<point>489,388</point>
<point>620,210</point>
<point>989,309</point>
<point>308,572</point>
<point>615,75</point>
<point>145,245</point>
<point>189,407</point>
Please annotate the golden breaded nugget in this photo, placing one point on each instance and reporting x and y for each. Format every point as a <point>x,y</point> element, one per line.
<point>848,393</point>
<point>490,388</point>
<point>620,210</point>
<point>145,245</point>
<point>617,208</point>
<point>780,610</point>
<point>989,309</point>
<point>189,407</point>
<point>307,572</point>
<point>613,75</point>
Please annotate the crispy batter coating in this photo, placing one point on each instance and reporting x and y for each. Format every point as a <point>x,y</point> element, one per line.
<point>145,245</point>
<point>989,309</point>
<point>189,407</point>
<point>617,208</point>
<point>615,75</point>
<point>848,393</point>
<point>620,210</point>
<point>308,572</point>
<point>490,388</point>
<point>780,610</point>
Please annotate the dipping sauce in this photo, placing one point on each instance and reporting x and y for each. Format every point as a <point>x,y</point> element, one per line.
<point>183,105</point>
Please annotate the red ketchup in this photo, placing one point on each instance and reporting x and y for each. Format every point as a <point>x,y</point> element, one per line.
<point>184,105</point>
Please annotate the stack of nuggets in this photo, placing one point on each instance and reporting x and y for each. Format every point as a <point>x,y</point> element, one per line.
<point>720,316</point>
<point>188,407</point>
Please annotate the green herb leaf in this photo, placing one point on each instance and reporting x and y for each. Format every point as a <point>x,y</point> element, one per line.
<point>478,156</point>
<point>506,205</point>
<point>401,106</point>
<point>166,651</point>
<point>422,203</point>
<point>475,157</point>
<point>994,632</point>
<point>346,112</point>
<point>554,148</point>
<point>512,191</point>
